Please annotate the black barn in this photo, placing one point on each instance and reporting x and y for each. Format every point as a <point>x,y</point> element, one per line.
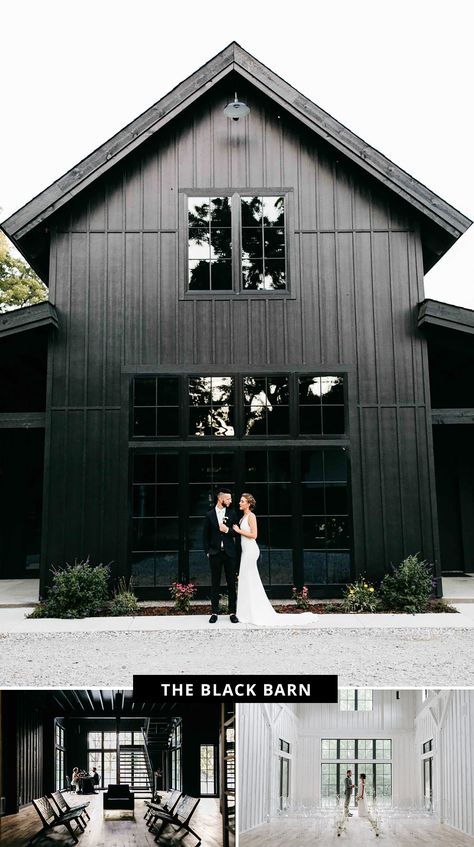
<point>231,301</point>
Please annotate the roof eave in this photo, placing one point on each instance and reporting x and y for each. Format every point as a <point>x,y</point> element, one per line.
<point>435,313</point>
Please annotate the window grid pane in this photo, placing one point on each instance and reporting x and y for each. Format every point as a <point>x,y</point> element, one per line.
<point>378,773</point>
<point>208,776</point>
<point>263,243</point>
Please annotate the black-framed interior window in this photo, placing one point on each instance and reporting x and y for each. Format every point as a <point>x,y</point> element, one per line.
<point>175,757</point>
<point>356,748</point>
<point>251,226</point>
<point>428,782</point>
<point>355,699</point>
<point>369,756</point>
<point>428,746</point>
<point>208,769</point>
<point>59,756</point>
<point>102,754</point>
<point>242,406</point>
<point>284,746</point>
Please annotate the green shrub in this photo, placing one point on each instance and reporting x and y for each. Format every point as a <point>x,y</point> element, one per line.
<point>409,587</point>
<point>124,601</point>
<point>38,612</point>
<point>77,591</point>
<point>301,597</point>
<point>360,596</point>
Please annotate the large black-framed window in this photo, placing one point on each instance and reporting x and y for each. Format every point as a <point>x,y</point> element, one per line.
<point>242,431</point>
<point>237,242</point>
<point>370,756</point>
<point>172,489</point>
<point>240,406</point>
<point>59,756</point>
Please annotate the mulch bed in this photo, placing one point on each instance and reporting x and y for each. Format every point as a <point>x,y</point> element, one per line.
<point>317,609</point>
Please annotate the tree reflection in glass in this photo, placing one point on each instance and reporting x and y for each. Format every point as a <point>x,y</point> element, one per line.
<point>321,405</point>
<point>211,406</point>
<point>266,405</point>
<point>210,244</point>
<point>263,243</point>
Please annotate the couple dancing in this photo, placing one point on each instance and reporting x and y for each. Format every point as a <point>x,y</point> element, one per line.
<point>251,604</point>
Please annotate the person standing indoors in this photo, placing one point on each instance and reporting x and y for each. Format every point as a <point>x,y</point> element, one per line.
<point>348,789</point>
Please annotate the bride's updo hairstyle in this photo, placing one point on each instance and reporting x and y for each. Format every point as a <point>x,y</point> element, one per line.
<point>250,500</point>
<point>363,776</point>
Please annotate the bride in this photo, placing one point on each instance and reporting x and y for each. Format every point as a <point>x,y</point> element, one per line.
<point>253,605</point>
<point>362,809</point>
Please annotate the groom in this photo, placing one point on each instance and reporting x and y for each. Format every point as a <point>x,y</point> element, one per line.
<point>348,788</point>
<point>220,547</point>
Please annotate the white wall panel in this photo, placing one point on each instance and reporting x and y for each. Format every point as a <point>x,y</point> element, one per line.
<point>448,718</point>
<point>260,729</point>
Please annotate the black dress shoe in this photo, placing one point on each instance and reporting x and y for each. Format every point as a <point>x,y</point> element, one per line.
<point>213,618</point>
<point>233,618</point>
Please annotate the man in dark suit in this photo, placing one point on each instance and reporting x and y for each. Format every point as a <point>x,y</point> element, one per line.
<point>219,544</point>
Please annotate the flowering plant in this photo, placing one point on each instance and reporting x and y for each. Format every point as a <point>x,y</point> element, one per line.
<point>360,596</point>
<point>301,597</point>
<point>182,594</point>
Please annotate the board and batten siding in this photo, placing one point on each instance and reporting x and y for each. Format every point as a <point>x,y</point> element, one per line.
<point>260,728</point>
<point>117,280</point>
<point>448,718</point>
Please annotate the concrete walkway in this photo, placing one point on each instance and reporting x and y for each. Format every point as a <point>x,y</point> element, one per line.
<point>18,592</point>
<point>15,620</point>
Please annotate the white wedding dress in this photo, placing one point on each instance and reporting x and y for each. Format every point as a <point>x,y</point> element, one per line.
<point>362,809</point>
<point>253,605</point>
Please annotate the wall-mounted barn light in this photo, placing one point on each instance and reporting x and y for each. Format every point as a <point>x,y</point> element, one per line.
<point>236,110</point>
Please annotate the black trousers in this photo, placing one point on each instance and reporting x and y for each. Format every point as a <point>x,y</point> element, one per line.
<point>217,562</point>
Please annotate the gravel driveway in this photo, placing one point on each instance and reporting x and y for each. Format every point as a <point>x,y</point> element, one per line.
<point>369,657</point>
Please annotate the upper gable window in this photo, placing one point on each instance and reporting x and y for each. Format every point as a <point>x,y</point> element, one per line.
<point>263,243</point>
<point>237,243</point>
<point>210,244</point>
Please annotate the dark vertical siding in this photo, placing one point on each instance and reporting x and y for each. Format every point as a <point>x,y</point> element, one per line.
<point>29,754</point>
<point>356,278</point>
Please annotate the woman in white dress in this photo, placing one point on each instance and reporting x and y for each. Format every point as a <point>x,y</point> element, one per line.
<point>253,605</point>
<point>362,809</point>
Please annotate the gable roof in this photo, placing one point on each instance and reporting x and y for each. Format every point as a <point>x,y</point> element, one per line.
<point>448,223</point>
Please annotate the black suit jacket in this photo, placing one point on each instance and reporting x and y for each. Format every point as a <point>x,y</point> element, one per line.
<point>212,536</point>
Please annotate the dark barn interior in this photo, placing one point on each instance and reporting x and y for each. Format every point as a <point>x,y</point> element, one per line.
<point>153,748</point>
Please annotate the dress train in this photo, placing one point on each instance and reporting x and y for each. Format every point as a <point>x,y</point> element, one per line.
<point>253,605</point>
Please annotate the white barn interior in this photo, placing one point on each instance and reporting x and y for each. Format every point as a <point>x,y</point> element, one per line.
<point>414,746</point>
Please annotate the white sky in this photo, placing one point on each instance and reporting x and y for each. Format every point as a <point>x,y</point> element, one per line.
<point>400,75</point>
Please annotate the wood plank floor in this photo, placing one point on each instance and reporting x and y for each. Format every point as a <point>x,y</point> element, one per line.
<point>284,832</point>
<point>16,830</point>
